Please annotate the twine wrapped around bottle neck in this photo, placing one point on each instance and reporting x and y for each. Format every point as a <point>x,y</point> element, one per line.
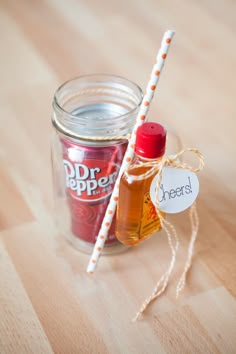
<point>172,236</point>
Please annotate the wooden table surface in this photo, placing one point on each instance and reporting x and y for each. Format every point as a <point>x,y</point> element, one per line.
<point>47,301</point>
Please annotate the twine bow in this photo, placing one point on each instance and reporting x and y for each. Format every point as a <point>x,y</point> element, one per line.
<point>173,240</point>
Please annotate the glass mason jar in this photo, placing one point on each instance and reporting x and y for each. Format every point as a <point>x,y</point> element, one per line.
<point>92,116</point>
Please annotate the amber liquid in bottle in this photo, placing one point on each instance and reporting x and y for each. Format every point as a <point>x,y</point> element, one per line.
<point>137,218</point>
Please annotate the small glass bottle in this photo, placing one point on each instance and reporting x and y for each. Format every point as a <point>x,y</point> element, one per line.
<point>137,218</point>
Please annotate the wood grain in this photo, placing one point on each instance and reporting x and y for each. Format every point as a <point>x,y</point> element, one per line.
<point>20,328</point>
<point>47,302</point>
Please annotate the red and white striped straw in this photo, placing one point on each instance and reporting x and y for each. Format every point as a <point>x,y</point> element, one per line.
<point>111,208</point>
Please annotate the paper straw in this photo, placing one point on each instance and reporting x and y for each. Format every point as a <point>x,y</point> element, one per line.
<point>111,208</point>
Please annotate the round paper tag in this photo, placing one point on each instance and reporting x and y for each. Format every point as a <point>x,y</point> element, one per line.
<point>178,190</point>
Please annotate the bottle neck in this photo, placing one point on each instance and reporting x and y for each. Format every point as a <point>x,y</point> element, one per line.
<point>145,159</point>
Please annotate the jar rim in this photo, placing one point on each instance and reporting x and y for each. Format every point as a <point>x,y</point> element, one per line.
<point>96,78</point>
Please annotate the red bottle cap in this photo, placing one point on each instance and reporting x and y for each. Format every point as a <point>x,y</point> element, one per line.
<point>150,140</point>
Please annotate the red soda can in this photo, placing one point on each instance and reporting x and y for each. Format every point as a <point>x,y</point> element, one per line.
<point>92,117</point>
<point>90,174</point>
